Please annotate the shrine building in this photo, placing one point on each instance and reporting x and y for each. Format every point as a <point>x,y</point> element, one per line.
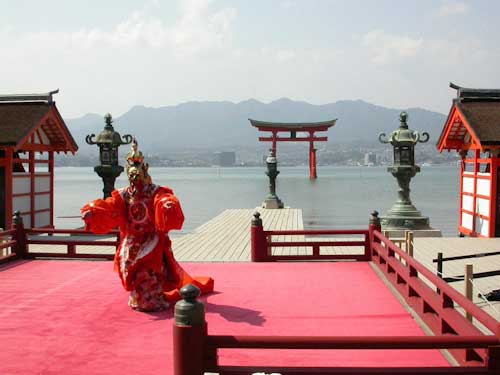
<point>31,131</point>
<point>473,129</point>
<point>295,128</point>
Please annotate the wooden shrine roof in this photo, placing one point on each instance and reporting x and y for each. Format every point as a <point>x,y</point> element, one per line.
<point>474,119</point>
<point>33,122</point>
<point>484,118</point>
<point>293,126</point>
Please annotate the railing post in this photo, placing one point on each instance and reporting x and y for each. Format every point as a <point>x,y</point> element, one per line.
<point>21,246</point>
<point>374,225</point>
<point>258,243</point>
<point>493,359</point>
<point>410,243</point>
<point>189,333</point>
<point>468,276</point>
<point>439,268</point>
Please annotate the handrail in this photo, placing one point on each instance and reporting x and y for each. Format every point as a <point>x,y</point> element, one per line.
<point>460,257</point>
<point>6,244</point>
<point>453,294</point>
<point>70,242</point>
<point>351,342</point>
<point>315,243</point>
<point>65,231</point>
<point>315,232</point>
<point>7,232</point>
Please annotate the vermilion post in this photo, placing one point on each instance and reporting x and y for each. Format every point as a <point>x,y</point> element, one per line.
<point>312,157</point>
<point>374,226</point>
<point>9,181</point>
<point>494,359</point>
<point>21,247</point>
<point>258,245</point>
<point>189,333</point>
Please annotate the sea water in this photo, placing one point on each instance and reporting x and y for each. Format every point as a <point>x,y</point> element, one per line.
<point>341,197</point>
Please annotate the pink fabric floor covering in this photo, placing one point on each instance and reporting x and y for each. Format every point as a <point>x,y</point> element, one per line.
<point>71,317</point>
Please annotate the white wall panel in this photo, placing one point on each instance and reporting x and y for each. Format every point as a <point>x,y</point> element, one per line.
<point>22,204</point>
<point>468,203</point>
<point>482,226</point>
<point>21,185</point>
<point>483,187</point>
<point>468,184</point>
<point>483,206</point>
<point>42,201</point>
<point>26,220</point>
<point>467,221</point>
<point>42,183</point>
<point>42,219</point>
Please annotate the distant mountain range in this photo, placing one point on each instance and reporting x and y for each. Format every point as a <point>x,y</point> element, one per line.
<point>225,125</point>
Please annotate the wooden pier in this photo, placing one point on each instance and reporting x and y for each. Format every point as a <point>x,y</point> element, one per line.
<point>226,238</point>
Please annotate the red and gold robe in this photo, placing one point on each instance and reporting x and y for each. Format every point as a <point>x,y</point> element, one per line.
<point>144,258</point>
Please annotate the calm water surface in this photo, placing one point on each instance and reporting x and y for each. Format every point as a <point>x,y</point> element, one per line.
<point>342,197</point>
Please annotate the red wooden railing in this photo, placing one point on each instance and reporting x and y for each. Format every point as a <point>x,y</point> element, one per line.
<point>7,242</point>
<point>262,244</point>
<point>437,310</point>
<point>22,238</point>
<point>195,352</point>
<point>69,242</point>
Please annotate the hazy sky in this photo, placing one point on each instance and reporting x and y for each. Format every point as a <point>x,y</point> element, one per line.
<point>106,56</point>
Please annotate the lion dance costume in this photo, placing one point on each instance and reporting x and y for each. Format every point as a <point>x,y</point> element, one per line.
<point>144,213</point>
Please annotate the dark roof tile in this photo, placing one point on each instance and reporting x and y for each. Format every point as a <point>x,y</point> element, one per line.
<point>484,118</point>
<point>18,119</point>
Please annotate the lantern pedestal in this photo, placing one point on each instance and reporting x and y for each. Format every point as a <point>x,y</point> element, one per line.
<point>272,202</point>
<point>108,173</point>
<point>403,215</point>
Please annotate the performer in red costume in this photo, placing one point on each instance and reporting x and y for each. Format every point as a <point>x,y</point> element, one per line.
<point>145,213</point>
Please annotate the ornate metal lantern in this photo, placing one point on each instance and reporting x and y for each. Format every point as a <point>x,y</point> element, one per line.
<point>108,141</point>
<point>403,214</point>
<point>272,200</point>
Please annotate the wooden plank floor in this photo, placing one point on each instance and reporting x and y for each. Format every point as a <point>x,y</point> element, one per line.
<point>226,238</point>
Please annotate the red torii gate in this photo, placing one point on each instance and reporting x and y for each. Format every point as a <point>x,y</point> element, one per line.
<point>293,128</point>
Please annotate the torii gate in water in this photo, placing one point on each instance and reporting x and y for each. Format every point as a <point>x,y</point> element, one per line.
<point>295,127</point>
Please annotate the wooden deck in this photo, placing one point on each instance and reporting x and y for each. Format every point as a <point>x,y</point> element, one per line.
<point>226,238</point>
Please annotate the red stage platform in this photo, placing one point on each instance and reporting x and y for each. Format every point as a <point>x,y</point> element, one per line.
<point>71,317</point>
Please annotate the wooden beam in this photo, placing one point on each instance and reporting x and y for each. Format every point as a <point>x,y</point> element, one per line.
<point>32,187</point>
<point>289,139</point>
<point>51,172</point>
<point>8,187</point>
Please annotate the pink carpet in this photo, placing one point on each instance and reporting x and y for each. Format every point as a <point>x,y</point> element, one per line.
<point>71,317</point>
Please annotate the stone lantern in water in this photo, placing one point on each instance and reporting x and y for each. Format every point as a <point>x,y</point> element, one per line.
<point>403,214</point>
<point>272,200</point>
<point>108,141</point>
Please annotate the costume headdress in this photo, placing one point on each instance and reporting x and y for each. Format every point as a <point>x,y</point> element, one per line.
<point>135,163</point>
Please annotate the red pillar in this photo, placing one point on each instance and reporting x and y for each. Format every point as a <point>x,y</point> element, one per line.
<point>258,243</point>
<point>462,170</point>
<point>312,159</point>
<point>9,180</point>
<point>274,142</point>
<point>51,171</point>
<point>493,195</point>
<point>189,349</point>
<point>474,198</point>
<point>32,187</point>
